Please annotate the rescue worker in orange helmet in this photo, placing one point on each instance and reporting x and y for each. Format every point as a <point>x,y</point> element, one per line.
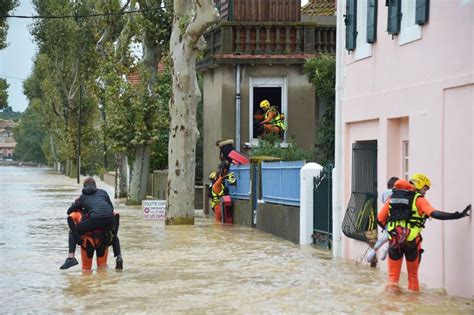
<point>404,215</point>
<point>273,120</point>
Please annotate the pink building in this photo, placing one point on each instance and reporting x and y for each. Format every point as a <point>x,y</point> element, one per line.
<point>407,106</point>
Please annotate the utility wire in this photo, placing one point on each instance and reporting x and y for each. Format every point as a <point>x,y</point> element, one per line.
<point>79,16</point>
<point>11,77</point>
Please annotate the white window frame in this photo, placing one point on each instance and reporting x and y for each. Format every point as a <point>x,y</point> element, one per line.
<point>405,159</point>
<point>281,82</point>
<point>363,49</point>
<point>409,30</point>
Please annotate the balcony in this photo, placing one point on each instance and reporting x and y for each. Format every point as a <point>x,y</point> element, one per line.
<point>266,43</point>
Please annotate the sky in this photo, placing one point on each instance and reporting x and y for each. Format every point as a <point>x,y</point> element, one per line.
<point>16,61</point>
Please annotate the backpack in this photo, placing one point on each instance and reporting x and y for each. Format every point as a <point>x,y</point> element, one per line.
<point>400,205</point>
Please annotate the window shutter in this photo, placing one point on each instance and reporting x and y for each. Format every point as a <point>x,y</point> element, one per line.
<point>351,24</point>
<point>422,11</point>
<point>394,16</point>
<point>231,10</point>
<point>372,21</point>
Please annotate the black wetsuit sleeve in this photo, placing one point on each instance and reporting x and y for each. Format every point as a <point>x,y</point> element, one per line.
<point>441,215</point>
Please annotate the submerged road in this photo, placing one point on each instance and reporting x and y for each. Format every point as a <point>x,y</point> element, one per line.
<point>205,268</point>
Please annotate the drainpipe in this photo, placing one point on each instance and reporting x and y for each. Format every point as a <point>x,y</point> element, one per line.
<point>337,172</point>
<point>237,108</point>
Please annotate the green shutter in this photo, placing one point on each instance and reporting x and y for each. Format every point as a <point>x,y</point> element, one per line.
<point>422,11</point>
<point>231,10</point>
<point>351,24</point>
<point>394,16</point>
<point>371,21</point>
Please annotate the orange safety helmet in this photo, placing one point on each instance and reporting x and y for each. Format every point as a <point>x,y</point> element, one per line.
<point>420,180</point>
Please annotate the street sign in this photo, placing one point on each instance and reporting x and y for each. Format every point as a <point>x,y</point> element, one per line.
<point>154,209</point>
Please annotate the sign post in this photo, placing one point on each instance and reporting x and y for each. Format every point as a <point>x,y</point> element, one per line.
<point>154,209</point>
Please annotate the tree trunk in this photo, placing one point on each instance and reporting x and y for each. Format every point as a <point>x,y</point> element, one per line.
<point>141,165</point>
<point>191,19</point>
<point>121,186</point>
<point>141,169</point>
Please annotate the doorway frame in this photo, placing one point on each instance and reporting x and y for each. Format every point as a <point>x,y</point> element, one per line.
<point>281,82</point>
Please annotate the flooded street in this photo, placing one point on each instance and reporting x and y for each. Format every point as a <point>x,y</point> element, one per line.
<point>205,268</point>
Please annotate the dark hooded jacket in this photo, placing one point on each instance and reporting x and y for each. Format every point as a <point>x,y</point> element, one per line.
<point>94,202</point>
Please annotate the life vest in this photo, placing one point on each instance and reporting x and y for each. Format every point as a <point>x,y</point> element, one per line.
<point>215,198</point>
<point>404,213</point>
<point>277,120</point>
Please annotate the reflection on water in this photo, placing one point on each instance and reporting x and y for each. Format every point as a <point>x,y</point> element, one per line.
<point>205,268</point>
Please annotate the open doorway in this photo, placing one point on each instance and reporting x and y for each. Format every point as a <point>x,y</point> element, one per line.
<point>273,89</point>
<point>273,95</point>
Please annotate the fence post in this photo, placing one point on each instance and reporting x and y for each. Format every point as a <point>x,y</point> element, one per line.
<point>307,174</point>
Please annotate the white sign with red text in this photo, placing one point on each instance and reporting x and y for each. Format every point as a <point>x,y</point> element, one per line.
<point>154,209</point>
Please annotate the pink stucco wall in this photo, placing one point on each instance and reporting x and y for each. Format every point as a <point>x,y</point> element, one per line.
<point>421,91</point>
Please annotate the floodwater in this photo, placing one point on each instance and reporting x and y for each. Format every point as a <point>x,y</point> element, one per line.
<point>205,268</point>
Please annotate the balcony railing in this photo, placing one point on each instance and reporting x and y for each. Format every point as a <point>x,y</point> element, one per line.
<point>282,39</point>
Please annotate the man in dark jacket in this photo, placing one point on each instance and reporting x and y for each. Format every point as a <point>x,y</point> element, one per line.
<point>98,213</point>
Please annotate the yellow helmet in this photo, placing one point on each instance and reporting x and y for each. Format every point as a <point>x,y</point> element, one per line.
<point>420,181</point>
<point>264,104</point>
<point>230,178</point>
<point>213,175</point>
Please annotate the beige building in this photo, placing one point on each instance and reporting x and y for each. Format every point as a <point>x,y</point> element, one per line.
<point>257,52</point>
<point>7,143</point>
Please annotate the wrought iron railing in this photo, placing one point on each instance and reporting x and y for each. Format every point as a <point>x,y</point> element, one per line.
<point>322,201</point>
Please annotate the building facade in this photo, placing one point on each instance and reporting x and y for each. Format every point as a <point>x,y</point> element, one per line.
<point>257,52</point>
<point>407,80</point>
<point>7,143</point>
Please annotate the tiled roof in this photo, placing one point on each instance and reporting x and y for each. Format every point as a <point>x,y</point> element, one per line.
<point>7,123</point>
<point>319,8</point>
<point>7,145</point>
<point>134,78</point>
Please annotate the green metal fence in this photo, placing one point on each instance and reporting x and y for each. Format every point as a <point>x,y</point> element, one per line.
<point>322,201</point>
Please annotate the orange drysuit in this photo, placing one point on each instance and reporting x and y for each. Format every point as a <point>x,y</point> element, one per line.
<point>94,242</point>
<point>411,250</point>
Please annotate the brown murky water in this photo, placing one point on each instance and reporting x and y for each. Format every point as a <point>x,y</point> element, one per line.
<point>205,268</point>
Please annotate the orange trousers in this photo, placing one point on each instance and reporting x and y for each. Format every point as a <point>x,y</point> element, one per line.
<point>86,261</point>
<point>218,213</point>
<point>395,260</point>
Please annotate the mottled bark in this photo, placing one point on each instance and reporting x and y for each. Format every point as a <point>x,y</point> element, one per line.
<point>121,185</point>
<point>141,169</point>
<point>191,19</point>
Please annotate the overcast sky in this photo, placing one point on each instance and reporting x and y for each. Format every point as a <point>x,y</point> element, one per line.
<point>16,60</point>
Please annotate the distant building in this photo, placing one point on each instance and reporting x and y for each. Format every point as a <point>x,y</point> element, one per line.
<point>7,143</point>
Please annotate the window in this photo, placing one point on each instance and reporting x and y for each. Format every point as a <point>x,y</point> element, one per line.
<point>361,27</point>
<point>273,89</point>
<point>364,49</point>
<point>409,30</point>
<point>406,159</point>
